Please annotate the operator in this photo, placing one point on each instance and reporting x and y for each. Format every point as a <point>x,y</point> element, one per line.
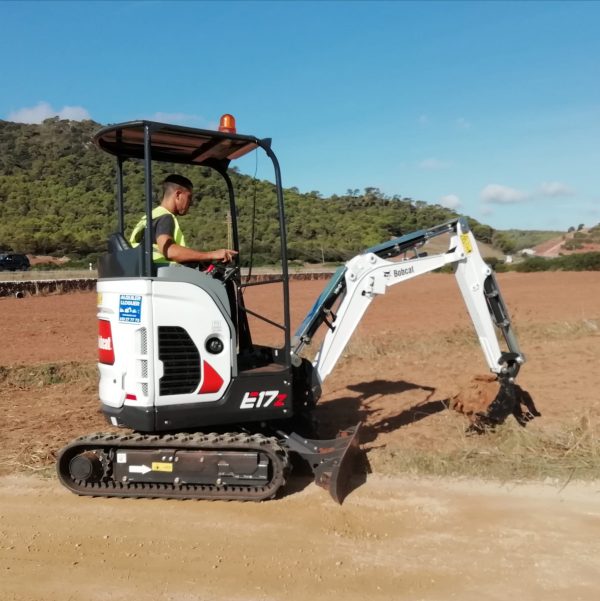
<point>168,241</point>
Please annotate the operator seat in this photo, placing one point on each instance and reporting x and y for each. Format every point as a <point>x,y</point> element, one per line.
<point>117,242</point>
<point>121,260</point>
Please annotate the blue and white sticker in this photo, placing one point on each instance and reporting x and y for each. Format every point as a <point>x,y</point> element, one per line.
<point>130,308</point>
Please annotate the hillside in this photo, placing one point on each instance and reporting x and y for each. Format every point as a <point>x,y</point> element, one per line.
<point>583,240</point>
<point>57,198</point>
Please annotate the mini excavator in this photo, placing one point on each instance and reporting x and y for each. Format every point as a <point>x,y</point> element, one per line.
<point>209,412</point>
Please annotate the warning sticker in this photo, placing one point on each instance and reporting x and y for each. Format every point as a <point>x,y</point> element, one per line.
<point>162,467</point>
<point>466,243</point>
<point>130,308</point>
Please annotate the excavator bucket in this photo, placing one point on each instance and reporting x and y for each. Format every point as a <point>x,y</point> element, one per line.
<point>487,400</point>
<point>332,461</point>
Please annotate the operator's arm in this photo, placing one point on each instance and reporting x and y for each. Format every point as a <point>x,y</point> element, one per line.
<point>183,254</point>
<point>163,232</point>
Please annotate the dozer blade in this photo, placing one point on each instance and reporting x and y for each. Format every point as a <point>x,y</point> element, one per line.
<point>331,460</point>
<point>334,473</point>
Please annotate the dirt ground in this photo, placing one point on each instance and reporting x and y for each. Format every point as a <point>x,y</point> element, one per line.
<point>395,537</point>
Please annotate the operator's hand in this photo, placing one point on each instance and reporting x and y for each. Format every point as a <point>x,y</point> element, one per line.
<point>224,254</point>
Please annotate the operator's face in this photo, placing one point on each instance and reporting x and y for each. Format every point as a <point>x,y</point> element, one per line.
<point>183,199</point>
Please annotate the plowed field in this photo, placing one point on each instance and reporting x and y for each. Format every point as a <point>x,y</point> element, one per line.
<point>397,536</point>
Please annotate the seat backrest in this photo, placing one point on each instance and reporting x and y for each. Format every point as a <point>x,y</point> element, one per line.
<point>121,260</point>
<point>117,242</point>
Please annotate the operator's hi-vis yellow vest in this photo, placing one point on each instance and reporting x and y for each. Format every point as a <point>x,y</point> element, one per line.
<point>136,236</point>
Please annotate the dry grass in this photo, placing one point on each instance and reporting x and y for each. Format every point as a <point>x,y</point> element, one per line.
<point>509,453</point>
<point>46,374</point>
<point>33,458</point>
<point>366,347</point>
<point>561,330</point>
<point>43,407</point>
<point>561,451</point>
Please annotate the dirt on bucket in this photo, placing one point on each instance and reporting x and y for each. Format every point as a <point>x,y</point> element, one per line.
<point>475,396</point>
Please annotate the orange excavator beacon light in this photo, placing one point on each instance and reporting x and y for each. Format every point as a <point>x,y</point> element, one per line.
<point>227,124</point>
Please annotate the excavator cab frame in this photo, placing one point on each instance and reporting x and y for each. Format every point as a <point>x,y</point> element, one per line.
<point>151,141</point>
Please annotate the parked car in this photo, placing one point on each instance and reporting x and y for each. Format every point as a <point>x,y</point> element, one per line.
<point>14,262</point>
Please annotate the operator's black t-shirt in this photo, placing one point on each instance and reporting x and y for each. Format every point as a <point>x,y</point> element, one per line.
<point>165,224</point>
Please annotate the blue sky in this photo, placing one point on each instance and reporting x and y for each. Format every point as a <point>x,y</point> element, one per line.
<point>492,108</point>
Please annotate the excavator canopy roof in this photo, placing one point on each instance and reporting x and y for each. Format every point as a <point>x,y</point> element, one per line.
<point>174,143</point>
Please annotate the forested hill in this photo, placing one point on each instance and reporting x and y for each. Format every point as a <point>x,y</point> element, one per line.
<point>57,197</point>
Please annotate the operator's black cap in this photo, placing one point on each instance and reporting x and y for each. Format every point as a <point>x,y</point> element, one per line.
<point>179,180</point>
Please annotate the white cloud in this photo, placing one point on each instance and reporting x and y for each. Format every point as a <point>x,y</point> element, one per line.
<point>497,194</point>
<point>433,164</point>
<point>554,189</point>
<point>450,201</point>
<point>462,123</point>
<point>183,119</point>
<point>73,113</point>
<point>43,110</point>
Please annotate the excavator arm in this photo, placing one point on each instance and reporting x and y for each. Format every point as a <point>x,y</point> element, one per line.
<point>344,301</point>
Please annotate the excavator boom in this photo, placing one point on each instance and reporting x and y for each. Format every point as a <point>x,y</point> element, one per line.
<point>353,287</point>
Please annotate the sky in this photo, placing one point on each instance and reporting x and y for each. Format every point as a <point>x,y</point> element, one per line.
<point>489,108</point>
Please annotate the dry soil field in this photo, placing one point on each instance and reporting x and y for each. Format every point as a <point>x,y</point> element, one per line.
<point>399,535</point>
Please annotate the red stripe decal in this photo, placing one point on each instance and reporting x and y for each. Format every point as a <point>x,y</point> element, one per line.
<point>212,381</point>
<point>106,352</point>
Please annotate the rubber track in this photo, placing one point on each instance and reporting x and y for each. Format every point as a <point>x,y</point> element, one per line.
<point>277,454</point>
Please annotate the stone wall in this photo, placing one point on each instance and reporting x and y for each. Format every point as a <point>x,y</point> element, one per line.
<point>34,287</point>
